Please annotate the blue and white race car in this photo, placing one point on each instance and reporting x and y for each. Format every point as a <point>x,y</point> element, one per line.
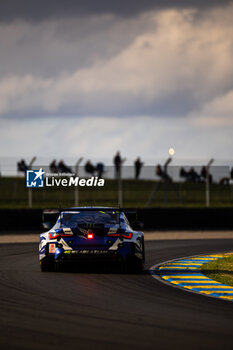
<point>87,235</point>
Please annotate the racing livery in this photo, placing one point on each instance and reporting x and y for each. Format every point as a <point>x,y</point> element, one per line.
<point>88,235</point>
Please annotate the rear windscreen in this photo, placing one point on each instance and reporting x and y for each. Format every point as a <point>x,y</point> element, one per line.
<point>89,217</point>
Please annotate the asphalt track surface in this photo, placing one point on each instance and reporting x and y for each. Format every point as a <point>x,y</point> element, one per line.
<point>108,310</point>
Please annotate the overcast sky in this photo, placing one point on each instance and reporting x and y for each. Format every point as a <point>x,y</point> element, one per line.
<point>93,77</point>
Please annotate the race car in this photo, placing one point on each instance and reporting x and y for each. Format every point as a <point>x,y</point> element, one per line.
<point>84,236</point>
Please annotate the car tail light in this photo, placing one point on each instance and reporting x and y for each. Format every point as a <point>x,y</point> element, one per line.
<point>54,235</point>
<point>52,248</point>
<point>90,235</point>
<point>127,235</point>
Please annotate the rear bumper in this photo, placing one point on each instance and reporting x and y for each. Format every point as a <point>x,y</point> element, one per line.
<point>90,257</point>
<point>119,255</point>
<point>122,254</point>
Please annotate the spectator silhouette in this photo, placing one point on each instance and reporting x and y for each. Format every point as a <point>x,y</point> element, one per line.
<point>118,161</point>
<point>193,175</point>
<point>190,175</point>
<point>89,168</point>
<point>183,173</point>
<point>63,168</point>
<point>53,166</point>
<point>100,169</point>
<point>22,166</point>
<point>204,175</point>
<point>138,166</point>
<point>227,179</point>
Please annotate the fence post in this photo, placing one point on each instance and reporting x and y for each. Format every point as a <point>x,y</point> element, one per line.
<point>29,189</point>
<point>120,192</point>
<point>76,189</point>
<point>165,195</point>
<point>30,198</point>
<point>207,183</point>
<point>120,197</point>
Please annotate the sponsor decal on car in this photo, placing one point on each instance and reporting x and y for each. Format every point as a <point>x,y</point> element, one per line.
<point>86,251</point>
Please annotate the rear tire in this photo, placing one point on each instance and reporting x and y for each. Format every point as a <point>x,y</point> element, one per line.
<point>135,264</point>
<point>46,265</point>
<point>143,251</point>
<point>139,266</point>
<point>59,266</point>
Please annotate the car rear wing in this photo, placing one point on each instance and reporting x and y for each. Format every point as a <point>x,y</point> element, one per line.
<point>74,209</point>
<point>130,213</point>
<point>88,209</point>
<point>50,216</point>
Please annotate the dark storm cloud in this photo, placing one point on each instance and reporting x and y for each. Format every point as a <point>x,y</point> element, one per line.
<point>159,72</point>
<point>163,62</point>
<point>34,10</point>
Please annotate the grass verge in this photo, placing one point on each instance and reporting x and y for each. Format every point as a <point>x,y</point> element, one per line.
<point>220,270</point>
